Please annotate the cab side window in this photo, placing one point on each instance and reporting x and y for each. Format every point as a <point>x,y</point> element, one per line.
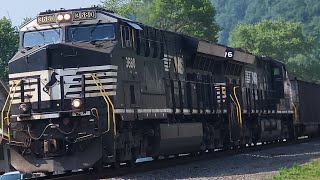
<point>126,36</point>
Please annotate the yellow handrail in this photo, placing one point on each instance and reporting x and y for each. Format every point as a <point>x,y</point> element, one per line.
<point>7,118</point>
<point>112,106</point>
<point>13,91</point>
<point>239,106</point>
<point>107,100</point>
<point>97,113</point>
<point>295,113</point>
<point>236,107</point>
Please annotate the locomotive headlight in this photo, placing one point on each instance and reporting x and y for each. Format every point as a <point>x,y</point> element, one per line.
<point>67,17</point>
<point>76,103</point>
<point>60,17</point>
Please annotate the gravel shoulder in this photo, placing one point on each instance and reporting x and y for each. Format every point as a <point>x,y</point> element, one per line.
<point>252,166</point>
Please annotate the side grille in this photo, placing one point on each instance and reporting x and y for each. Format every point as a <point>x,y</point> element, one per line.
<point>106,74</point>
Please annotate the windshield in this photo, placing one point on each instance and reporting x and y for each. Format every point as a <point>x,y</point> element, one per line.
<point>91,33</point>
<point>35,38</point>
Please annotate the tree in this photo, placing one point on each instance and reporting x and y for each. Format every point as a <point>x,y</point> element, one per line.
<point>195,18</point>
<point>306,67</point>
<point>278,39</point>
<point>313,28</point>
<point>9,39</point>
<point>229,13</point>
<point>232,12</point>
<point>127,8</point>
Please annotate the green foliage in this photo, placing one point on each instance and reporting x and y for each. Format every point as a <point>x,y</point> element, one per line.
<point>306,66</point>
<point>232,12</point>
<point>281,40</point>
<point>194,18</point>
<point>310,171</point>
<point>124,7</point>
<point>312,29</point>
<point>284,40</point>
<point>8,45</point>
<point>278,39</point>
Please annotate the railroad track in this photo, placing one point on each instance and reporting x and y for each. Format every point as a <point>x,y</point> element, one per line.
<point>109,172</point>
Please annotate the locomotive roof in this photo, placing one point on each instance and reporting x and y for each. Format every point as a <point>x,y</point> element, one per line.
<point>96,8</point>
<point>204,46</point>
<point>100,16</point>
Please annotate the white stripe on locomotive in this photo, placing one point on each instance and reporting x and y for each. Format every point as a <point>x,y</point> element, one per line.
<point>72,77</point>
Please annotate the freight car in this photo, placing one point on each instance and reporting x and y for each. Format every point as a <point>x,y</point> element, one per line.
<point>306,100</point>
<point>90,88</point>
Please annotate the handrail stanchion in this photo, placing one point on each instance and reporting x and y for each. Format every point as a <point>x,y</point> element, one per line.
<point>7,118</point>
<point>107,100</point>
<point>83,92</point>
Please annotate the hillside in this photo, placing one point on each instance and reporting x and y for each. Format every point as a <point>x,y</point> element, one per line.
<point>232,12</point>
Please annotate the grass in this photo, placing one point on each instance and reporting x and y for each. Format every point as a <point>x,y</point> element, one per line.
<point>309,171</point>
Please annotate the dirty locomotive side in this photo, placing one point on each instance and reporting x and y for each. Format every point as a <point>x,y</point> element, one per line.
<point>89,88</point>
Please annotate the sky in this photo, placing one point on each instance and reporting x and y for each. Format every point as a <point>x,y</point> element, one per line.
<point>16,10</point>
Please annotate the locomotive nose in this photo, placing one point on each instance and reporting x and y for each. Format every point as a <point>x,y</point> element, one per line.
<point>32,59</point>
<point>41,72</point>
<point>63,55</point>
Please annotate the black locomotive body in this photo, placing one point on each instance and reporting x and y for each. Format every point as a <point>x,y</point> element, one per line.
<point>90,88</point>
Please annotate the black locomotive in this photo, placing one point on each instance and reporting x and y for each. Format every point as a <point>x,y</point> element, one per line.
<point>89,88</point>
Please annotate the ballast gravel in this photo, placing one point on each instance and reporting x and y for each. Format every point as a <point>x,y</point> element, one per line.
<point>251,166</point>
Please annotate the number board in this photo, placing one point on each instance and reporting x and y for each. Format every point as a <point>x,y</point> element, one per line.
<point>84,15</point>
<point>229,53</point>
<point>46,19</point>
<point>77,16</point>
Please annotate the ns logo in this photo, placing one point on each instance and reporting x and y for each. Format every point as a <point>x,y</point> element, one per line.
<point>130,62</point>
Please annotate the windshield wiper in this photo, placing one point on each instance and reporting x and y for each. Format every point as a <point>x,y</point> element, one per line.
<point>95,26</point>
<point>56,30</point>
<point>74,30</point>
<point>41,33</point>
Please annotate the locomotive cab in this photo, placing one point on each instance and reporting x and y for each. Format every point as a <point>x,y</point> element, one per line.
<point>64,66</point>
<point>278,76</point>
<point>52,27</point>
